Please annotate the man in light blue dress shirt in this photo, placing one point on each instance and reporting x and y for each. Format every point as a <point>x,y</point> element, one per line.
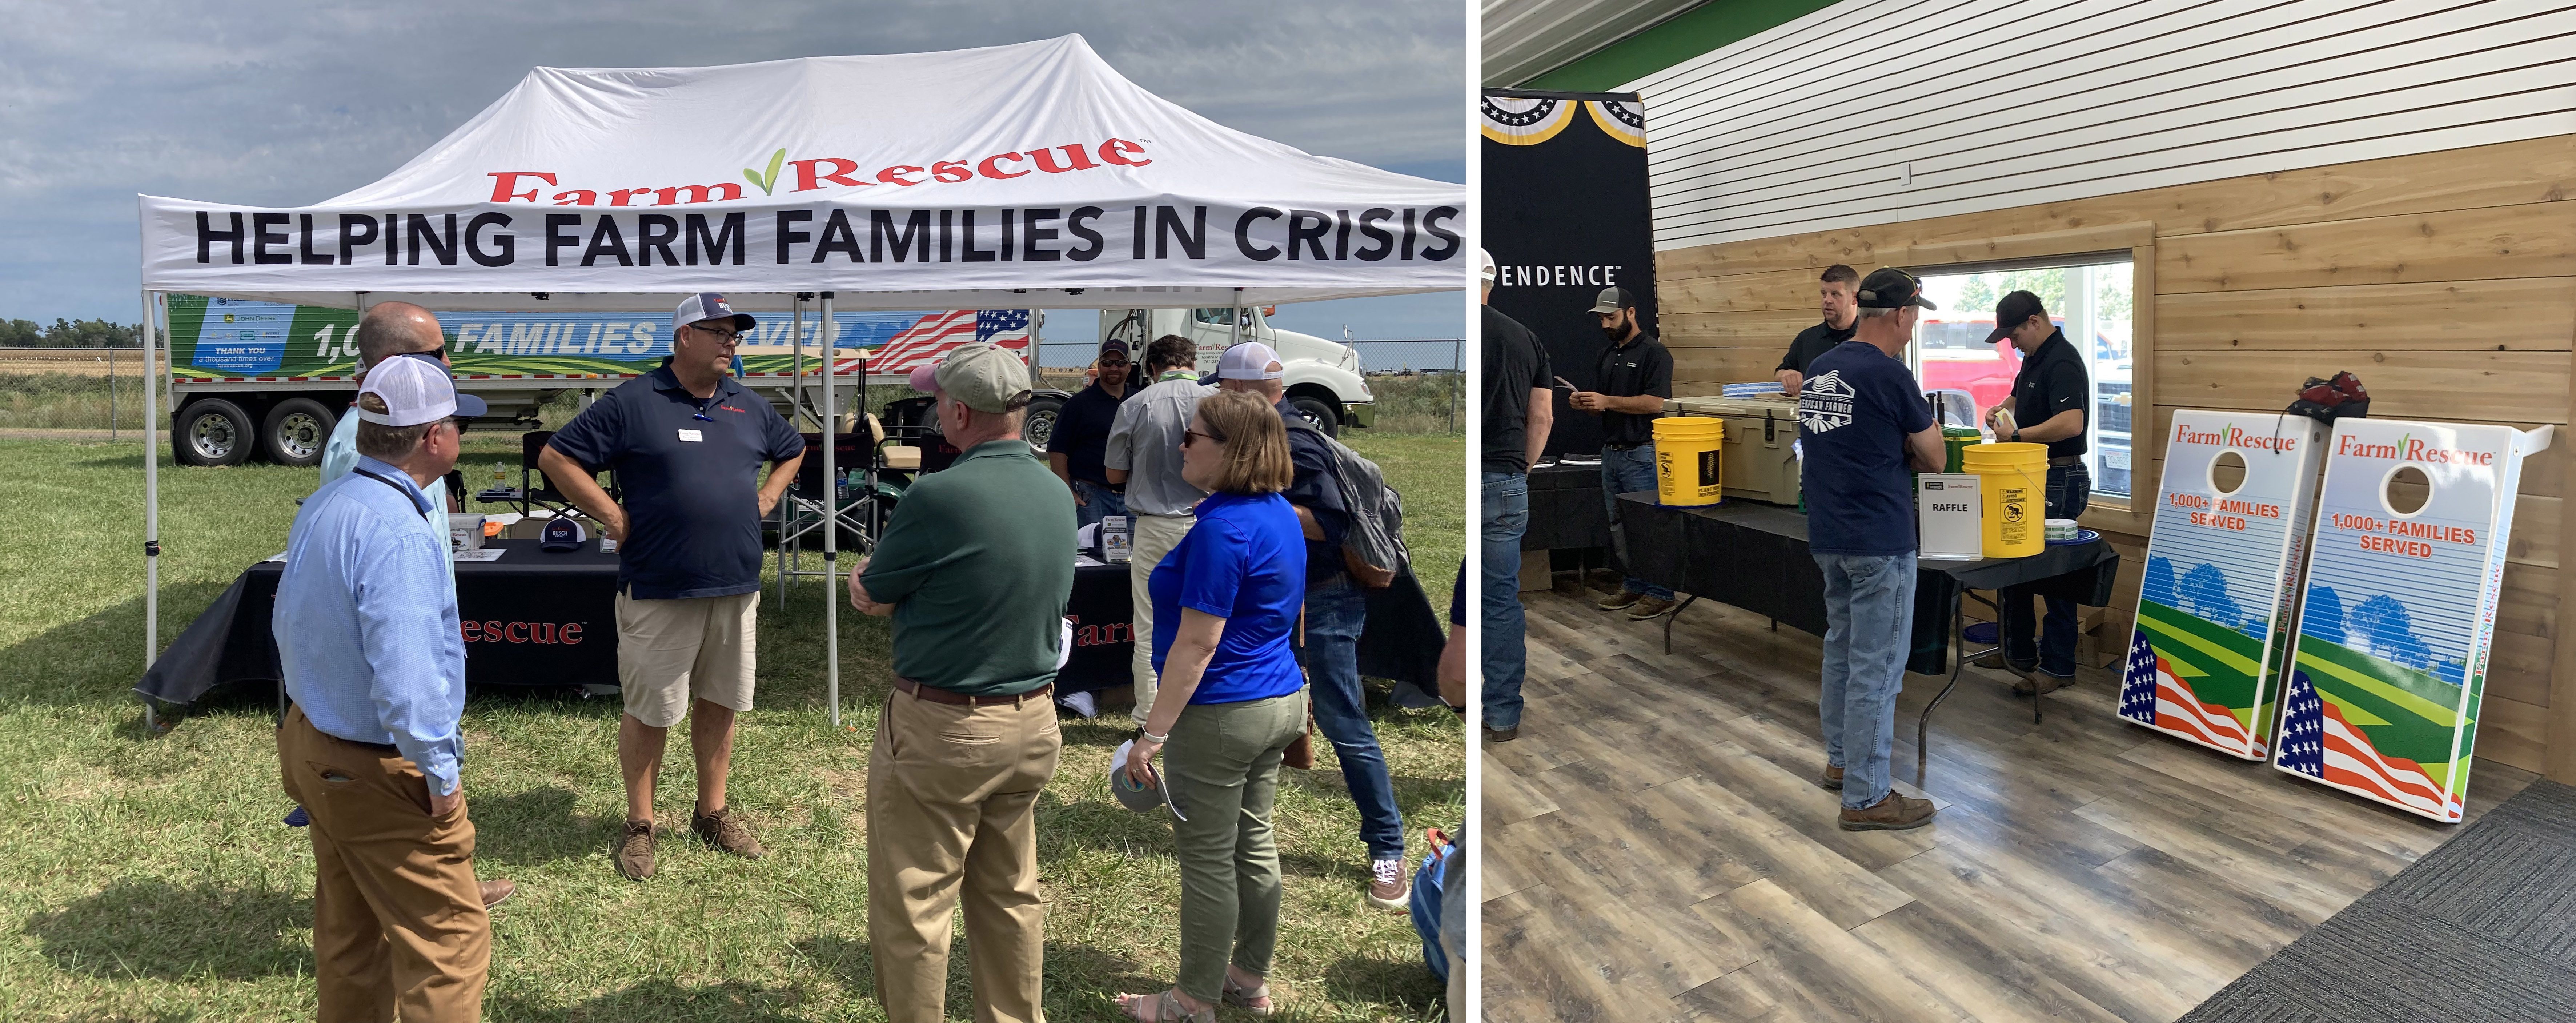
<point>366,630</point>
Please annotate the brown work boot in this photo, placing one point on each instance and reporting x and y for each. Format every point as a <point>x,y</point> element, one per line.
<point>1831,779</point>
<point>724,830</point>
<point>1649,607</point>
<point>498,891</point>
<point>2042,681</point>
<point>1618,600</point>
<point>635,850</point>
<point>1897,812</point>
<point>1388,887</point>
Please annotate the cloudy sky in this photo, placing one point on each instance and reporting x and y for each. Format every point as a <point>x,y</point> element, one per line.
<point>279,104</point>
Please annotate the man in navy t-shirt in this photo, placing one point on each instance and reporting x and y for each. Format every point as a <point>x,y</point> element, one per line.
<point>1863,428</point>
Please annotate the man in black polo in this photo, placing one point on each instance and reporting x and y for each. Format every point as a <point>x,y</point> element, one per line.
<point>686,442</point>
<point>1081,437</point>
<point>1634,377</point>
<point>1837,293</point>
<point>2051,397</point>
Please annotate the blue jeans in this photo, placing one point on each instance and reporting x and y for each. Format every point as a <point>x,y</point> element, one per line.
<point>1506,655</point>
<point>2070,491</point>
<point>1335,612</point>
<point>1626,472</point>
<point>1097,502</point>
<point>1869,624</point>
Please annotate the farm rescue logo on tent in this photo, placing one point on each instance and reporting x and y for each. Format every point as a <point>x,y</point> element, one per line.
<point>490,237</point>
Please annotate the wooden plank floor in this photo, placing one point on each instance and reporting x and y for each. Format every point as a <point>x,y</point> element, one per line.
<point>1653,848</point>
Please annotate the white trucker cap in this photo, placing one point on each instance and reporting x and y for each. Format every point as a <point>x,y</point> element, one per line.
<point>1250,360</point>
<point>415,391</point>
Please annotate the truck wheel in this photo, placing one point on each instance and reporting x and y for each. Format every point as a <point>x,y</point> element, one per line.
<point>296,431</point>
<point>212,432</point>
<point>1319,412</point>
<point>1039,426</point>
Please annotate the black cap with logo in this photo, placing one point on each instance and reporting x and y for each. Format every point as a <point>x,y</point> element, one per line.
<point>2015,309</point>
<point>1890,288</point>
<point>1612,300</point>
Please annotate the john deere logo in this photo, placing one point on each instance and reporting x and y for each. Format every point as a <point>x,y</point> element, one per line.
<point>228,317</point>
<point>769,180</point>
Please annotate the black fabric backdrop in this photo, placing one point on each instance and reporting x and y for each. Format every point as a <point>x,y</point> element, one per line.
<point>1566,217</point>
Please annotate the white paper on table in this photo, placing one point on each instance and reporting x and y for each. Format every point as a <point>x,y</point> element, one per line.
<point>482,554</point>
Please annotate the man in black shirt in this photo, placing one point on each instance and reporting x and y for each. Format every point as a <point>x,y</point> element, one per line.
<point>1840,286</point>
<point>1634,377</point>
<point>1081,436</point>
<point>1519,409</point>
<point>2051,397</point>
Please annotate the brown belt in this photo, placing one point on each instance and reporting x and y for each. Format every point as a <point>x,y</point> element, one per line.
<point>2064,460</point>
<point>934,694</point>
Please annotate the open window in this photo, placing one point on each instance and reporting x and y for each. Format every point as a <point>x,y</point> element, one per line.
<point>2098,285</point>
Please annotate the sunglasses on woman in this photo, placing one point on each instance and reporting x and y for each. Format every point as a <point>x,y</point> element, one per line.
<point>1189,435</point>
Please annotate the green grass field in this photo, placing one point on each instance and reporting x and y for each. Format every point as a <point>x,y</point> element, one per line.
<point>147,877</point>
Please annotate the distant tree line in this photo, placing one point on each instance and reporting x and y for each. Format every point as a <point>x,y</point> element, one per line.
<point>68,334</point>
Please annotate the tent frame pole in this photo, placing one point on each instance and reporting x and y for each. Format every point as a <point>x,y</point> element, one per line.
<point>1234,325</point>
<point>831,515</point>
<point>151,508</point>
<point>795,402</point>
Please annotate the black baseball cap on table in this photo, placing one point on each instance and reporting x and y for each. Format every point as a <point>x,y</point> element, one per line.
<point>2015,309</point>
<point>1890,288</point>
<point>1612,300</point>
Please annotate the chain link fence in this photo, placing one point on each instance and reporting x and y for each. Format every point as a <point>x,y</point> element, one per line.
<point>1419,385</point>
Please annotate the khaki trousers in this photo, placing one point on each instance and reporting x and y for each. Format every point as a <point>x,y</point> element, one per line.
<point>1153,537</point>
<point>398,920</point>
<point>952,817</point>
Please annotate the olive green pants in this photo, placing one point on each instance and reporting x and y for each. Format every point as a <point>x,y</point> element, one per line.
<point>1223,768</point>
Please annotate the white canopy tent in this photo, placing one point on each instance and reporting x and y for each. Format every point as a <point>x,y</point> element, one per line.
<point>1024,176</point>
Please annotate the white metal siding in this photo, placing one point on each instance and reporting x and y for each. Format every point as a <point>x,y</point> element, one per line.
<point>2003,103</point>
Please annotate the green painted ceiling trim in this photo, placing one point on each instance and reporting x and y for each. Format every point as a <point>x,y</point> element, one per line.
<point>1680,38</point>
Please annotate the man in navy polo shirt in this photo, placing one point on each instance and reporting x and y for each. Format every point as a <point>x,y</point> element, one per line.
<point>1862,422</point>
<point>1081,437</point>
<point>686,442</point>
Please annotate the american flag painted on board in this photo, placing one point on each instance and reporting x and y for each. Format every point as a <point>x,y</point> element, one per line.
<point>2317,742</point>
<point>932,338</point>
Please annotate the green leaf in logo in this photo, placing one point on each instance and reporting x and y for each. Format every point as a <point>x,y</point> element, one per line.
<point>769,180</point>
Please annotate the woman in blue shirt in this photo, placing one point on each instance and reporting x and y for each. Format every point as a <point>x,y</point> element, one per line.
<point>1231,700</point>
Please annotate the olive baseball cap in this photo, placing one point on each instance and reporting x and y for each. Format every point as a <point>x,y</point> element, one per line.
<point>1890,288</point>
<point>1614,299</point>
<point>982,376</point>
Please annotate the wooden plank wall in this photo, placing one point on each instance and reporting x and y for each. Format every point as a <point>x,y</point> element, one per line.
<point>2445,280</point>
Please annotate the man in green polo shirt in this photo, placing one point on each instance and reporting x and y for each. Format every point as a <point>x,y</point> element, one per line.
<point>975,569</point>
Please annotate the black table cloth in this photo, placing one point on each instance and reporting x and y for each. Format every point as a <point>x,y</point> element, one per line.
<point>1565,509</point>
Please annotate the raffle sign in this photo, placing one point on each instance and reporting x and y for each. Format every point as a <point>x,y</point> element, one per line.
<point>2398,620</point>
<point>1565,184</point>
<point>2213,618</point>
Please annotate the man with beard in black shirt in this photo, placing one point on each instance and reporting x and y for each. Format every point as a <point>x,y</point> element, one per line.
<point>1842,315</point>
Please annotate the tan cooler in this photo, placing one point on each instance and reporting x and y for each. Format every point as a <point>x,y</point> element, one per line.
<point>1758,460</point>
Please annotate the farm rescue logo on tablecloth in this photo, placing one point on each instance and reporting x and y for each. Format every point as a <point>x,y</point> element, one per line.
<point>828,232</point>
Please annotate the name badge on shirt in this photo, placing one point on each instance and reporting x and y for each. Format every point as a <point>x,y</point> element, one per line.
<point>692,436</point>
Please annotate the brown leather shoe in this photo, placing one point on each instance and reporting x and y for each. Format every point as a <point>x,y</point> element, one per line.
<point>635,850</point>
<point>1618,600</point>
<point>1897,812</point>
<point>724,830</point>
<point>1831,779</point>
<point>1649,607</point>
<point>2044,682</point>
<point>1389,888</point>
<point>498,891</point>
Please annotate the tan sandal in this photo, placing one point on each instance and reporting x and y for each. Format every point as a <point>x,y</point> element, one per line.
<point>1165,1007</point>
<point>1254,999</point>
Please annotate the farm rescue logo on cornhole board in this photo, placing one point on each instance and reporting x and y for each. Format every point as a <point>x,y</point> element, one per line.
<point>2399,615</point>
<point>2222,576</point>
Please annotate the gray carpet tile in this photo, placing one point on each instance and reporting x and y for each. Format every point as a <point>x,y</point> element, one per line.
<point>2481,930</point>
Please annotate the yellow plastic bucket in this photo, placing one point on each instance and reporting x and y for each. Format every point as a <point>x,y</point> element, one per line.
<point>1686,460</point>
<point>2013,483</point>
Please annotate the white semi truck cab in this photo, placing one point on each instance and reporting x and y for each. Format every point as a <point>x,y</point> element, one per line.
<point>1323,377</point>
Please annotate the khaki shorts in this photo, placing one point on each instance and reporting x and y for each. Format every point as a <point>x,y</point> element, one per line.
<point>671,650</point>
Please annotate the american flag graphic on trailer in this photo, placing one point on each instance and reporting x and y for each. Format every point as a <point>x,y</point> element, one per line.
<point>931,339</point>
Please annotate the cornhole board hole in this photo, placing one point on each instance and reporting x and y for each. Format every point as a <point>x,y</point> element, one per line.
<point>2213,622</point>
<point>2404,572</point>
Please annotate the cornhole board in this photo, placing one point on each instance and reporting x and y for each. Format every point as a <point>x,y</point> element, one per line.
<point>2398,619</point>
<point>2213,624</point>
